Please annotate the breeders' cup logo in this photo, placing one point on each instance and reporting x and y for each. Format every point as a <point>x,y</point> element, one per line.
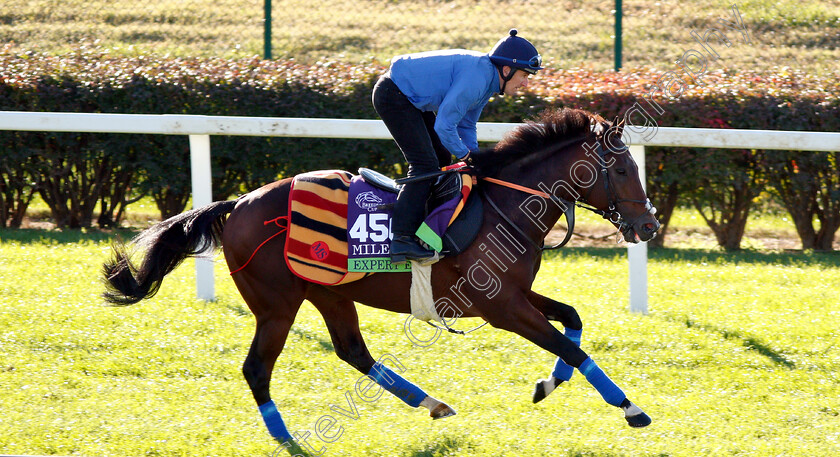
<point>368,200</point>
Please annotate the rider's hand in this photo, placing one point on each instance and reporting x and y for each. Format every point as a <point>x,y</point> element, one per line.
<point>467,158</point>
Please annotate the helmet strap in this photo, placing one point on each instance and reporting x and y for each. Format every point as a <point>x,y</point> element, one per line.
<point>505,79</point>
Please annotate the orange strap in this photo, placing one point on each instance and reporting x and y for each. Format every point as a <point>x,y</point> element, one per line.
<point>517,187</point>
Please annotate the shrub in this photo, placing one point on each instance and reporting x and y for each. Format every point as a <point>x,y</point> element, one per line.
<point>75,171</point>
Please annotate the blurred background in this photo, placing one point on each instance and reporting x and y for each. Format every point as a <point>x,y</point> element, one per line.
<point>570,34</point>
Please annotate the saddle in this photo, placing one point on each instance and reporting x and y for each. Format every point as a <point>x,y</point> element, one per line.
<point>339,224</point>
<point>462,230</point>
<point>444,188</point>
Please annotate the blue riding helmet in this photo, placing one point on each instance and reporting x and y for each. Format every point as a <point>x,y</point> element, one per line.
<point>516,52</point>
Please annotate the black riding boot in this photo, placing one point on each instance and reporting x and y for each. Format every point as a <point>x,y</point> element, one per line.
<point>408,215</point>
<point>408,247</point>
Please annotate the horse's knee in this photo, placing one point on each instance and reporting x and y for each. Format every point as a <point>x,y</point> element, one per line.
<point>572,319</point>
<point>554,310</point>
<point>250,370</point>
<point>572,354</point>
<point>566,315</point>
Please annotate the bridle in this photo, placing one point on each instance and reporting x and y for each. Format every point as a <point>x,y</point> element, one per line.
<point>611,214</point>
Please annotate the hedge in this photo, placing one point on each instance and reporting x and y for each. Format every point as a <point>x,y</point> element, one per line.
<point>77,173</point>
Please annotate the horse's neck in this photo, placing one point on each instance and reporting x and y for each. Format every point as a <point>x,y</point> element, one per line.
<point>533,214</point>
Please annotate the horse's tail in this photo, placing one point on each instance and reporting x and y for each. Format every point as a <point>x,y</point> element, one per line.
<point>167,244</point>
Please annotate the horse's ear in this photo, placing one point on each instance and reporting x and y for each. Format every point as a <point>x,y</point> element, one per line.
<point>618,124</point>
<point>598,129</point>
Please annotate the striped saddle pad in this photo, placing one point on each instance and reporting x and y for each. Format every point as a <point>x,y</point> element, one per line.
<point>316,240</point>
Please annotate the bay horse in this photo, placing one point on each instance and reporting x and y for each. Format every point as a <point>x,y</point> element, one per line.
<point>525,181</point>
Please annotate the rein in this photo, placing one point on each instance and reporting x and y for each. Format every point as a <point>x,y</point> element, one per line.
<point>527,190</point>
<point>569,211</point>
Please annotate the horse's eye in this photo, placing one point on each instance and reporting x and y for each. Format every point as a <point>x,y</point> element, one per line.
<point>621,171</point>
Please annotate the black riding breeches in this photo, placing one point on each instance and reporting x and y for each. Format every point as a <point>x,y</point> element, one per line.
<point>413,131</point>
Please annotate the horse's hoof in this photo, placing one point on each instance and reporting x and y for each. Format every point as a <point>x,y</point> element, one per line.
<point>441,411</point>
<point>634,415</point>
<point>639,420</point>
<point>545,387</point>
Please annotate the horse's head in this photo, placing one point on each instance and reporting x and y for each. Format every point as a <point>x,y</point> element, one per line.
<point>592,163</point>
<point>616,192</point>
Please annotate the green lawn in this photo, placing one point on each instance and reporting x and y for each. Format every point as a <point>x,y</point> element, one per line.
<point>569,33</point>
<point>738,356</point>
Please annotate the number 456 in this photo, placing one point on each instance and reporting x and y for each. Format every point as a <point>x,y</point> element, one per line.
<point>376,226</point>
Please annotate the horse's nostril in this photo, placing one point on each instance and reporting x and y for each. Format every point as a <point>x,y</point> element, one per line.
<point>650,228</point>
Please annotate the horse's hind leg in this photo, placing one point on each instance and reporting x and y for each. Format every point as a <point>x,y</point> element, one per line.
<point>275,312</point>
<point>343,324</point>
<point>573,329</point>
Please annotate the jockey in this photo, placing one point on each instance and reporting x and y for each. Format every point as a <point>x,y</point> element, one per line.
<point>430,102</point>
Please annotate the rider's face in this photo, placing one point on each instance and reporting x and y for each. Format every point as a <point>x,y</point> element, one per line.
<point>517,82</point>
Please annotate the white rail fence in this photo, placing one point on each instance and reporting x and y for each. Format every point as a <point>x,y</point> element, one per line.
<point>200,128</point>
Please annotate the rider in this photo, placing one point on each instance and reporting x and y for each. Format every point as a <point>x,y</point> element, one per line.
<point>455,84</point>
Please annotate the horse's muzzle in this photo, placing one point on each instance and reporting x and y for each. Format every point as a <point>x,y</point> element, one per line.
<point>642,228</point>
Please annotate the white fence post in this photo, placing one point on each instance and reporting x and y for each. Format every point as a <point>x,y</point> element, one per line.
<point>202,194</point>
<point>637,253</point>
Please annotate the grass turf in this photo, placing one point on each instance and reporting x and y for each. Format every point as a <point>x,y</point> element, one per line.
<point>738,355</point>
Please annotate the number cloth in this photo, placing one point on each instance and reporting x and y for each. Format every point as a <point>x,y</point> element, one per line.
<point>328,208</point>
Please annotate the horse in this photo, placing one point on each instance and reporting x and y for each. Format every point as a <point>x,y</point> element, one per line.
<point>526,182</point>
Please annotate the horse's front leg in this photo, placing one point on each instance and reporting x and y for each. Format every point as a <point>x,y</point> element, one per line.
<point>524,319</point>
<point>573,329</point>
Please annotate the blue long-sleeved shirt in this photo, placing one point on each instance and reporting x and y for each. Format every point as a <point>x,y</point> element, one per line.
<point>457,84</point>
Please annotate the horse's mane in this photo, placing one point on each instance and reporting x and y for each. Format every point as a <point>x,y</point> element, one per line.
<point>529,140</point>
